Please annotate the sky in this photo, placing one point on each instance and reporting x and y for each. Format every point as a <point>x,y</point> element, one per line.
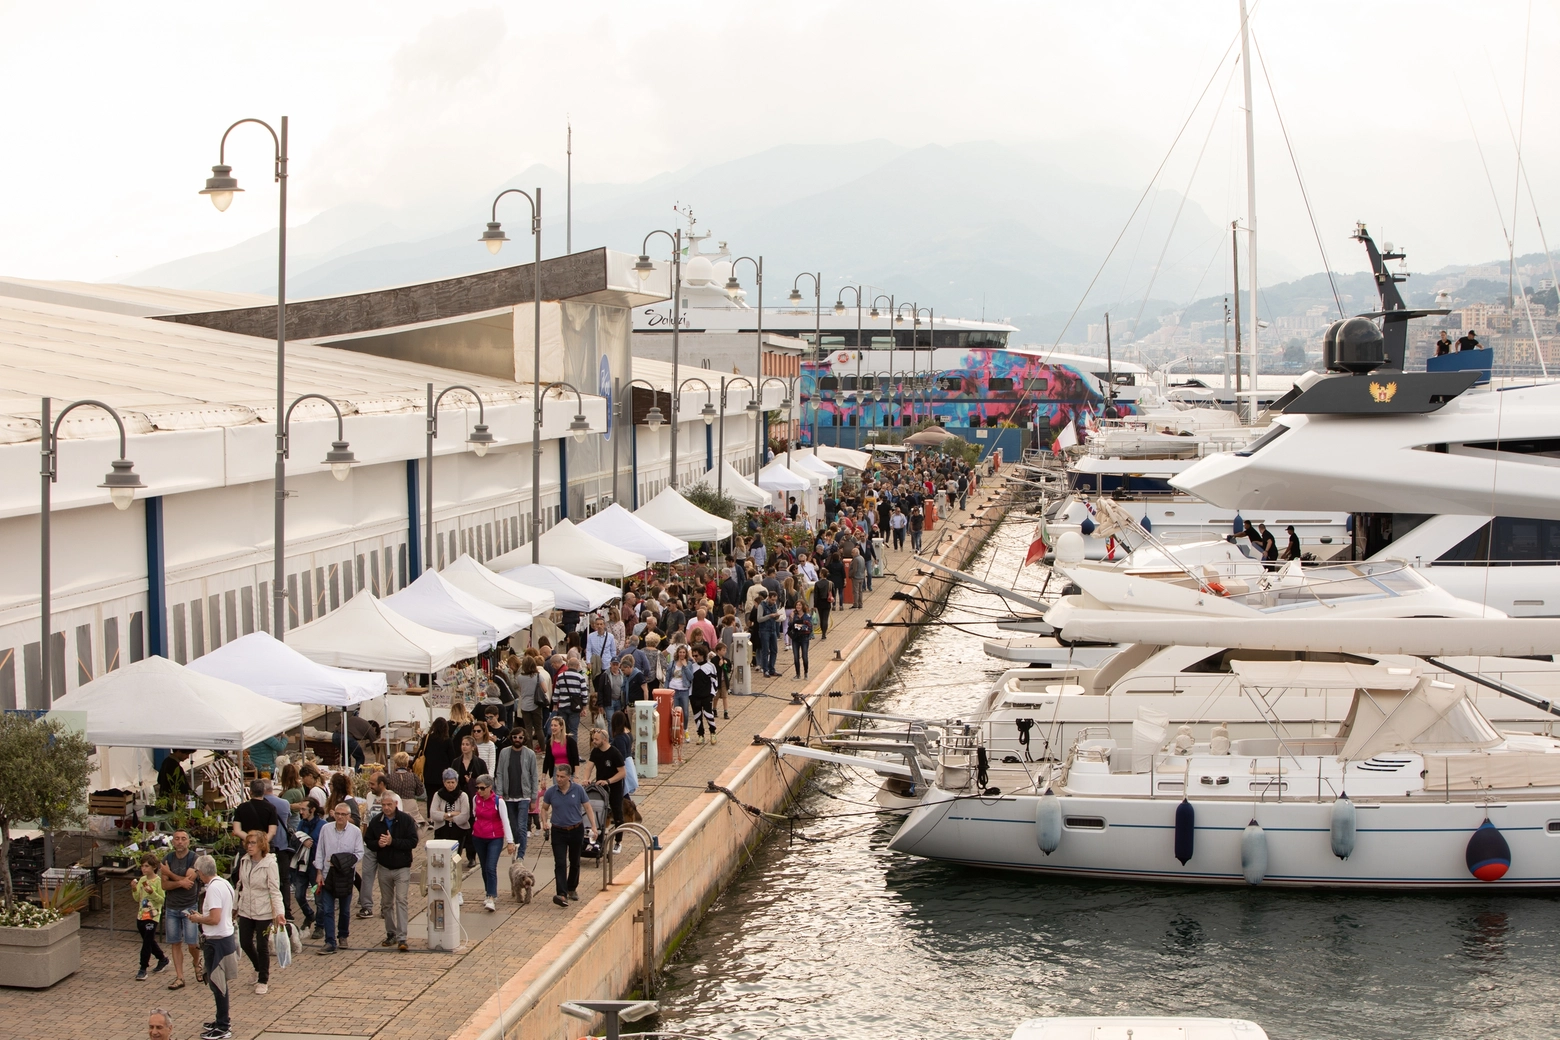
<point>115,110</point>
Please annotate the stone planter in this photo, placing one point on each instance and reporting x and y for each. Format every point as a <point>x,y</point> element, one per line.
<point>36,958</point>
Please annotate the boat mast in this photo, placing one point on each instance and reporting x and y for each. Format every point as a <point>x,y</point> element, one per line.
<point>1249,407</point>
<point>1240,404</point>
<point>1110,374</point>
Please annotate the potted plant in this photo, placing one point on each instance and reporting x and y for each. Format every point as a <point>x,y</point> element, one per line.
<point>43,776</point>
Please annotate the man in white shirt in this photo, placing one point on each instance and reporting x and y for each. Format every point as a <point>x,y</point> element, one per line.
<point>217,942</point>
<point>600,646</point>
<point>337,852</point>
<point>809,569</point>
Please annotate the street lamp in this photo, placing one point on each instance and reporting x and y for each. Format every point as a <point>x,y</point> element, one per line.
<point>340,460</point>
<point>644,267</point>
<point>120,483</point>
<point>839,310</point>
<point>579,426</point>
<point>796,298</point>
<point>892,310</point>
<point>786,403</point>
<point>480,441</point>
<point>494,238</point>
<point>915,324</point>
<point>220,187</point>
<point>752,406</point>
<point>653,419</point>
<point>732,285</point>
<point>931,346</point>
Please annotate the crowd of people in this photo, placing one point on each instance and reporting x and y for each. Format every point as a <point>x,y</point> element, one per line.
<point>550,750</point>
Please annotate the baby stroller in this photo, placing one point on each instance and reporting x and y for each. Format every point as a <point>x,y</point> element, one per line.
<point>598,804</point>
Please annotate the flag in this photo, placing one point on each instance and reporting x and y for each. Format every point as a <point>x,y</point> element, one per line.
<point>1037,547</point>
<point>1066,439</point>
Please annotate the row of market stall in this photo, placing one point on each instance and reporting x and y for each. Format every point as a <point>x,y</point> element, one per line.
<point>256,686</point>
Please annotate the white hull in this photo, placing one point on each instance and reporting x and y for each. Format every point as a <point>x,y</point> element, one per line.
<point>1400,845</point>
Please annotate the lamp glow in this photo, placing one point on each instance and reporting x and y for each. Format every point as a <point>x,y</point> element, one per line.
<point>122,484</point>
<point>221,186</point>
<point>340,460</point>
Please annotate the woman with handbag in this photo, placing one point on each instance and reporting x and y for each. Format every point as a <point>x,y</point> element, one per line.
<point>532,691</point>
<point>259,904</point>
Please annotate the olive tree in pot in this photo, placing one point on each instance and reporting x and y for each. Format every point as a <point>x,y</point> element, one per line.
<point>43,776</point>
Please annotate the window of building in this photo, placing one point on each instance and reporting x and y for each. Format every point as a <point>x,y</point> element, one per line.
<point>950,383</point>
<point>999,384</point>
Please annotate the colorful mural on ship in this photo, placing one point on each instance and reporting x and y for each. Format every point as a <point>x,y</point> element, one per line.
<point>1029,388</point>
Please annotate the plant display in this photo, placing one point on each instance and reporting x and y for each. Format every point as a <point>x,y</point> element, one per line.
<point>68,897</point>
<point>43,776</point>
<point>26,915</point>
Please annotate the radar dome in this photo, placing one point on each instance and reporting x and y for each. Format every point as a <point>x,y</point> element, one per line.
<point>698,271</point>
<point>1069,548</point>
<point>1357,346</point>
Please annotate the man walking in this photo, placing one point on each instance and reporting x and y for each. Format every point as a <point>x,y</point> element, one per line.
<point>571,693</point>
<point>823,602</point>
<point>600,647</point>
<point>897,522</point>
<point>858,577</point>
<point>370,865</point>
<point>336,854</point>
<point>515,780</point>
<point>766,617</point>
<point>392,835</point>
<point>565,810</point>
<point>218,943</point>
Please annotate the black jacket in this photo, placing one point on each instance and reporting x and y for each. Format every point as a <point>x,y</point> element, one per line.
<point>403,839</point>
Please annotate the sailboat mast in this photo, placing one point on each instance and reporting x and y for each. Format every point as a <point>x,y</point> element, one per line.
<point>1249,406</point>
<point>568,204</point>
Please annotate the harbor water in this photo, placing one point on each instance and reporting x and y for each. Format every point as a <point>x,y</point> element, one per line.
<point>827,934</point>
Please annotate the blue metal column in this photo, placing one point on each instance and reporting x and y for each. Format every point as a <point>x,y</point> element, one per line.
<point>709,447</point>
<point>563,477</point>
<point>413,522</point>
<point>156,580</point>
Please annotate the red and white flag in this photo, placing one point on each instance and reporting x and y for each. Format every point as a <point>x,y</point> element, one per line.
<point>1066,439</point>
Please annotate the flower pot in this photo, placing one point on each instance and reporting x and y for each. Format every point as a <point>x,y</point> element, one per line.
<point>36,958</point>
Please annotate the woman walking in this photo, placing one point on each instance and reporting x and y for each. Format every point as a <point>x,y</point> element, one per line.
<point>449,811</point>
<point>259,905</point>
<point>801,630</point>
<point>491,836</point>
<point>679,676</point>
<point>532,692</point>
<point>436,757</point>
<point>559,750</point>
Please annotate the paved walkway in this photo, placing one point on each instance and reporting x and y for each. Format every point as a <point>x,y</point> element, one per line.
<point>368,992</point>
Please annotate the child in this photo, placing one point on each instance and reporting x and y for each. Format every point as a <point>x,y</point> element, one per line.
<point>149,903</point>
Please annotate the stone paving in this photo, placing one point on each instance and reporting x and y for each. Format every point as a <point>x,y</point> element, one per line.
<point>366,991</point>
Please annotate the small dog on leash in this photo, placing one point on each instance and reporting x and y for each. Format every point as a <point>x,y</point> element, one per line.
<point>521,881</point>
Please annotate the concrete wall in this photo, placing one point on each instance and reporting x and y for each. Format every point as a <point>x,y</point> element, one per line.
<point>601,951</point>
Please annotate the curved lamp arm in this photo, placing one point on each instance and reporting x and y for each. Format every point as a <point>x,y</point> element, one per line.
<point>221,186</point>
<point>340,458</point>
<point>653,418</point>
<point>433,414</point>
<point>732,285</point>
<point>54,434</point>
<point>494,237</point>
<point>839,303</point>
<point>580,426</point>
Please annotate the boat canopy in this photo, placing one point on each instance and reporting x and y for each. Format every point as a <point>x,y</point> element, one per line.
<point>1430,717</point>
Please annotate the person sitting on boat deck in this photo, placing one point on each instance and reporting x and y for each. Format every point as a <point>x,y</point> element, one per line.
<point>1468,342</point>
<point>1443,346</point>
<point>1292,552</point>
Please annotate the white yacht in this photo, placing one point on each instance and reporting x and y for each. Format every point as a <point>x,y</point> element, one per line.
<point>1414,789</point>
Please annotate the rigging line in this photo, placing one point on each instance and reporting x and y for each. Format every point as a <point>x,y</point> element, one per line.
<point>1300,180</point>
<point>1150,186</point>
<point>1494,196</point>
<point>1158,264</point>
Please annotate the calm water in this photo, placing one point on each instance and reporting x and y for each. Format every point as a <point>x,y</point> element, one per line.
<point>834,936</point>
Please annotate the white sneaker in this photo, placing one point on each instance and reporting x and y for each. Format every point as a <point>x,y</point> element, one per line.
<point>487,904</point>
<point>261,987</point>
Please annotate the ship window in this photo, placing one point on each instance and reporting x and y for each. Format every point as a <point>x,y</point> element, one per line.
<point>999,384</point>
<point>1039,383</point>
<point>1546,446</point>
<point>952,383</point>
<point>1553,827</point>
<point>1508,540</point>
<point>996,340</point>
<point>1086,823</point>
<point>1274,432</point>
<point>848,383</point>
<point>828,383</point>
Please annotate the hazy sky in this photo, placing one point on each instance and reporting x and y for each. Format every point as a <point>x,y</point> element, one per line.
<point>114,110</point>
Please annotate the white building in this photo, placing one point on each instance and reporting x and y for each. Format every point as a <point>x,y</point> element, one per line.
<point>188,567</point>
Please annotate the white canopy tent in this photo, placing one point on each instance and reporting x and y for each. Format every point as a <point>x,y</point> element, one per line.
<point>572,591</point>
<point>847,457</point>
<point>777,477</point>
<point>617,526</point>
<point>155,703</point>
<point>671,512</point>
<point>812,465</point>
<point>470,576</point>
<point>567,547</point>
<point>441,606</point>
<point>738,488</point>
<point>364,633</point>
<point>273,669</point>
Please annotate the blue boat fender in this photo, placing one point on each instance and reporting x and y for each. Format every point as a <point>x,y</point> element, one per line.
<point>1185,828</point>
<point>1148,525</point>
<point>1087,527</point>
<point>1048,822</point>
<point>1489,857</point>
<point>1344,820</point>
<point>1254,853</point>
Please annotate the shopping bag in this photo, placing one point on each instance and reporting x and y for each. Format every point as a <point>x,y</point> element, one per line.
<point>295,937</point>
<point>281,945</point>
<point>631,780</point>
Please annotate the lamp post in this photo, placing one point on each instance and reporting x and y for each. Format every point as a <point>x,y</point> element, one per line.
<point>900,317</point>
<point>786,402</point>
<point>839,310</point>
<point>931,346</point>
<point>481,440</point>
<point>121,484</point>
<point>796,300</point>
<point>875,313</point>
<point>340,460</point>
<point>644,267</point>
<point>494,238</point>
<point>725,386</point>
<point>732,285</point>
<point>221,186</point>
<point>653,420</point>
